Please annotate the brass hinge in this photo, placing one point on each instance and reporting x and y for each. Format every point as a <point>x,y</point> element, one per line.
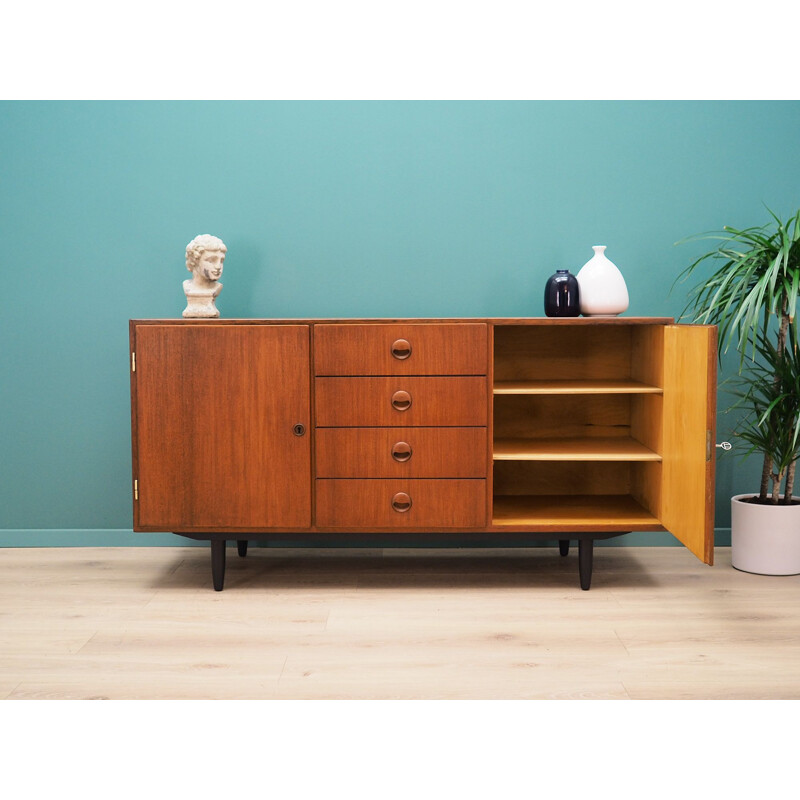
<point>133,362</point>
<point>136,490</point>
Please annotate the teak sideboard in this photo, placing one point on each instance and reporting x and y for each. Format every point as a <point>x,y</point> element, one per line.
<point>562,429</point>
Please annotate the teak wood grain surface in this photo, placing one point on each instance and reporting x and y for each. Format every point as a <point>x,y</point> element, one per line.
<point>434,503</point>
<point>570,416</point>
<point>215,444</point>
<point>428,452</point>
<point>440,349</point>
<point>563,353</point>
<point>562,477</point>
<point>440,401</point>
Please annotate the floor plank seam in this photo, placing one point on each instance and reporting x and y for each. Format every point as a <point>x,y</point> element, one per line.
<point>177,567</point>
<point>615,597</point>
<point>627,652</point>
<point>78,651</point>
<point>278,682</point>
<point>8,696</point>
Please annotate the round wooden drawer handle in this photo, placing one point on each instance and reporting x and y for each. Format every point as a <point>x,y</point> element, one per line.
<point>401,349</point>
<point>401,401</point>
<point>401,451</point>
<point>401,502</point>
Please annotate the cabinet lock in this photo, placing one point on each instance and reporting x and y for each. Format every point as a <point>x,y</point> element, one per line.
<point>710,448</point>
<point>299,429</point>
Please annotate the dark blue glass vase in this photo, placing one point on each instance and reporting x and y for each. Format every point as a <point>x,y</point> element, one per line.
<point>561,298</point>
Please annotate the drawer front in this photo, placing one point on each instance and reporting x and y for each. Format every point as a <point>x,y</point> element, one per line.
<point>401,452</point>
<point>400,349</point>
<point>401,402</point>
<point>401,503</point>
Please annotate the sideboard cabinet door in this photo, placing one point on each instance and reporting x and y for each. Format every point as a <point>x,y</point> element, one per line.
<point>690,381</point>
<point>214,411</point>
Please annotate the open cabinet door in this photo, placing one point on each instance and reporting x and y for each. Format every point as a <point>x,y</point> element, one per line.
<point>689,425</point>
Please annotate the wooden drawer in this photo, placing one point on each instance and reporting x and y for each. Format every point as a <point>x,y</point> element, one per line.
<point>401,453</point>
<point>401,349</point>
<point>359,402</point>
<point>371,503</point>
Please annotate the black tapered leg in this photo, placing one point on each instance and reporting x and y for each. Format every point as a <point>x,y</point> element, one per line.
<point>563,547</point>
<point>218,563</point>
<point>241,545</point>
<point>585,551</point>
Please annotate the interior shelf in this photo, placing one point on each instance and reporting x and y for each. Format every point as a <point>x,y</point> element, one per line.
<point>575,387</point>
<point>580,511</point>
<point>577,449</point>
<point>578,428</point>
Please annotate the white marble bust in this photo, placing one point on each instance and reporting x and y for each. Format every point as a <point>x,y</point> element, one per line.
<point>205,255</point>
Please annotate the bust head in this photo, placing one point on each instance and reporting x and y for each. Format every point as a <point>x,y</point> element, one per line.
<point>205,255</point>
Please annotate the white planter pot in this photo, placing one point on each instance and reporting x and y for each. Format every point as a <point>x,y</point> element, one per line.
<point>765,539</point>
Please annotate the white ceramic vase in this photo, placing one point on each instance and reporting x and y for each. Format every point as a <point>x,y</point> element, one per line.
<point>765,539</point>
<point>602,288</point>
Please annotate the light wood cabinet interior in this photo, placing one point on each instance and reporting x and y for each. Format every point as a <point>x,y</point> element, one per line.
<point>578,425</point>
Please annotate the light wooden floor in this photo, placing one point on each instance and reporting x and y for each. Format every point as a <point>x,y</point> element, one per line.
<point>145,623</point>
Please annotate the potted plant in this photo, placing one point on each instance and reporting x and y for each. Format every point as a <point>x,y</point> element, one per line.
<point>751,294</point>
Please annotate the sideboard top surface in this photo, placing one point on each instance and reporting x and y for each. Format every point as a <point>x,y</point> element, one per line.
<point>381,320</point>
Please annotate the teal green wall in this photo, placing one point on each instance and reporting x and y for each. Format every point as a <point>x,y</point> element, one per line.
<point>328,209</point>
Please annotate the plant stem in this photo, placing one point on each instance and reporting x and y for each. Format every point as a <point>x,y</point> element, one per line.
<point>776,487</point>
<point>787,495</point>
<point>783,329</point>
<point>766,472</point>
